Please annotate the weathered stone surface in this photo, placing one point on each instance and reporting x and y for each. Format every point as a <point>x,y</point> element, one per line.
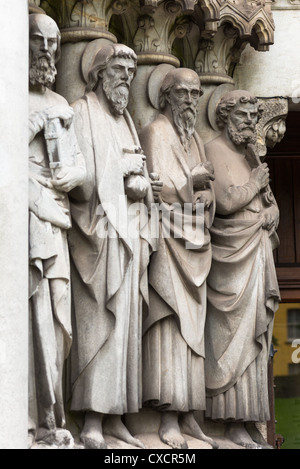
<point>14,225</point>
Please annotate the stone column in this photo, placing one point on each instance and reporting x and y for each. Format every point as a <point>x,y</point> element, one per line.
<point>84,29</point>
<point>13,224</point>
<point>152,30</point>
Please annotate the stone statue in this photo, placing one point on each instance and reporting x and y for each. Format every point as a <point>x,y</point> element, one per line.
<point>110,259</point>
<point>56,166</point>
<point>243,292</point>
<point>173,341</point>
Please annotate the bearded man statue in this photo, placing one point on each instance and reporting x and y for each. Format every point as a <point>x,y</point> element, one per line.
<point>243,292</point>
<point>173,341</point>
<point>109,260</point>
<point>56,166</point>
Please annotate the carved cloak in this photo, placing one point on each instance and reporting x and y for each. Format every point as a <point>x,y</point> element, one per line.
<point>49,281</point>
<point>109,268</point>
<point>177,277</point>
<point>243,294</point>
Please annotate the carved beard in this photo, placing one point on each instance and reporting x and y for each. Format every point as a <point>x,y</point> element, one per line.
<point>185,121</point>
<point>243,135</point>
<point>117,95</point>
<point>42,71</point>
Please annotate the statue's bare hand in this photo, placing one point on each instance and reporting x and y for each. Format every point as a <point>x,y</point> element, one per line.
<point>47,204</point>
<point>270,219</point>
<point>38,120</point>
<point>133,163</point>
<point>261,176</point>
<point>156,185</point>
<point>64,113</point>
<point>67,178</point>
<point>205,198</point>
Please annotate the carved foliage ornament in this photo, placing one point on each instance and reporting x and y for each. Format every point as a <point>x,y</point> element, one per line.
<point>84,13</point>
<point>157,32</point>
<point>271,127</point>
<point>150,5</point>
<point>216,55</point>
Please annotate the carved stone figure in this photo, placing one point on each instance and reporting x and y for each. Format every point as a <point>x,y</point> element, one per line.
<point>55,167</point>
<point>243,292</point>
<point>109,259</point>
<point>173,341</point>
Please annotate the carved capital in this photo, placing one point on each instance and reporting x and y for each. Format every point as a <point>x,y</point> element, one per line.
<point>84,19</point>
<point>149,6</point>
<point>216,55</point>
<point>156,32</point>
<point>271,127</point>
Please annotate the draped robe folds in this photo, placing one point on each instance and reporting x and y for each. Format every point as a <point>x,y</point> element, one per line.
<point>173,341</point>
<point>243,294</point>
<point>109,267</point>
<point>49,277</point>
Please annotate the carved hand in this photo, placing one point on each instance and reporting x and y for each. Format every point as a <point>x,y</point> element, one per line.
<point>201,176</point>
<point>261,176</point>
<point>45,204</point>
<point>37,120</point>
<point>68,177</point>
<point>156,185</point>
<point>271,219</point>
<point>132,164</point>
<point>205,198</point>
<point>64,113</point>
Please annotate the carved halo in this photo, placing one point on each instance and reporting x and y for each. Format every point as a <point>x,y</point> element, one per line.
<point>155,81</point>
<point>214,100</point>
<point>90,53</point>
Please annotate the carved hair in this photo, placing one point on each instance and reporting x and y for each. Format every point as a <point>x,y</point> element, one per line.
<point>35,19</point>
<point>228,103</point>
<point>168,84</point>
<point>103,58</point>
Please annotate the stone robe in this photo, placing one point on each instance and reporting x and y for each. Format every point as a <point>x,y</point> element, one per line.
<point>109,267</point>
<point>243,293</point>
<point>49,272</point>
<point>173,342</point>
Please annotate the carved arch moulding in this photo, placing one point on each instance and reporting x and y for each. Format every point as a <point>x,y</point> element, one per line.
<point>253,19</point>
<point>205,35</point>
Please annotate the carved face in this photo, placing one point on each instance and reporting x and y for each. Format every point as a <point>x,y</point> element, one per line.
<point>242,122</point>
<point>183,98</point>
<point>185,94</point>
<point>43,40</point>
<point>43,48</point>
<point>120,72</point>
<point>116,81</point>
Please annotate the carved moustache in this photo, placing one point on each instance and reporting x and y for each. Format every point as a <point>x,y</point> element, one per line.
<point>117,95</point>
<point>121,84</point>
<point>243,127</point>
<point>187,108</point>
